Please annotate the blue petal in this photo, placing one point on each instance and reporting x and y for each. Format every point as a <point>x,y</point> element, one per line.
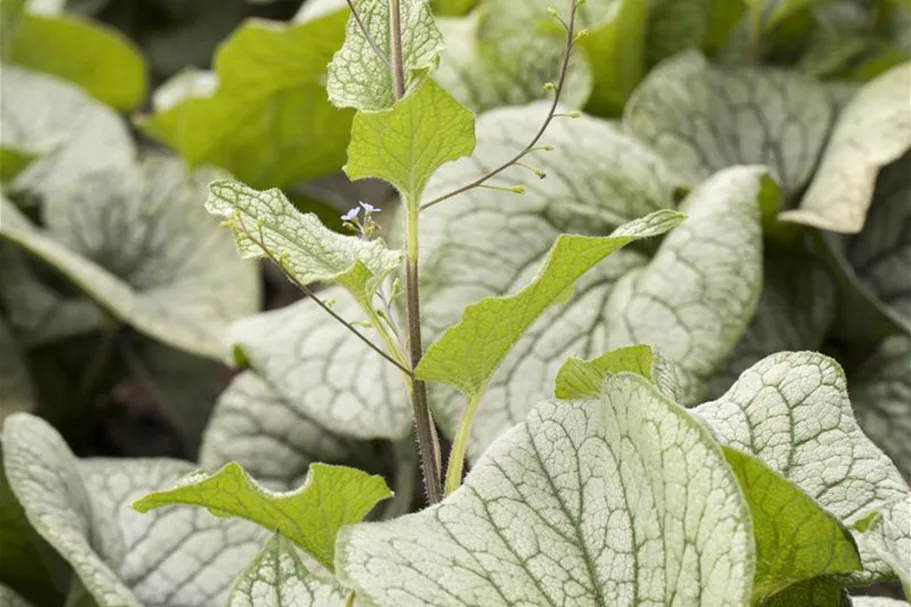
<point>351,214</point>
<point>370,208</point>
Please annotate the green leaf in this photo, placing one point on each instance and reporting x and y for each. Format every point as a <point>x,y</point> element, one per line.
<point>37,572</point>
<point>321,373</point>
<point>278,578</point>
<point>597,179</point>
<point>13,162</point>
<point>125,239</point>
<point>702,118</point>
<point>873,131</point>
<point>358,78</point>
<point>270,436</point>
<point>452,7</point>
<point>791,410</point>
<point>819,592</point>
<point>310,516</point>
<point>268,120</point>
<point>491,62</point>
<point>16,390</point>
<point>872,268</point>
<point>795,312</point>
<point>677,25</point>
<point>265,224</point>
<point>405,144</point>
<point>99,59</point>
<point>68,132</point>
<point>880,393</point>
<point>695,299</point>
<point>796,540</point>
<point>578,378</point>
<point>889,538</point>
<point>468,354</point>
<point>618,500</point>
<point>615,47</point>
<point>79,507</point>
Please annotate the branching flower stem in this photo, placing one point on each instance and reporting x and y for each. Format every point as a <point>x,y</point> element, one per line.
<point>558,89</point>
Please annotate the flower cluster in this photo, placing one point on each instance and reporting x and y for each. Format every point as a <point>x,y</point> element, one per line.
<point>362,224</point>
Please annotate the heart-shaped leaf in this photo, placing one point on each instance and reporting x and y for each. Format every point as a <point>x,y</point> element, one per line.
<point>123,558</point>
<point>622,499</point>
<point>141,246</point>
<point>791,410</point>
<point>703,118</point>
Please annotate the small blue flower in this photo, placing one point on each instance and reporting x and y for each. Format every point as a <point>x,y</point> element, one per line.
<point>370,208</point>
<point>351,215</point>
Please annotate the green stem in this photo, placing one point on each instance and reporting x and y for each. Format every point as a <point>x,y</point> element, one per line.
<point>459,445</point>
<point>428,442</point>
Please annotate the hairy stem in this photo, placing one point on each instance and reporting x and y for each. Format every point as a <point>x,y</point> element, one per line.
<point>558,89</point>
<point>459,445</point>
<point>397,69</point>
<point>428,442</point>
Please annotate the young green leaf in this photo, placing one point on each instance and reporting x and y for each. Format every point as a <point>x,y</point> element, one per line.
<point>619,500</point>
<point>796,540</point>
<point>278,578</point>
<point>138,243</point>
<point>13,162</point>
<point>824,591</point>
<point>310,516</point>
<point>94,56</point>
<point>791,410</point>
<point>268,120</point>
<point>79,508</point>
<point>405,144</point>
<point>880,393</point>
<point>583,379</point>
<point>873,131</point>
<point>694,300</point>
<point>270,436</point>
<point>578,378</point>
<point>597,179</point>
<point>359,78</point>
<point>615,46</point>
<point>467,354</point>
<point>266,224</point>
<point>703,118</point>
